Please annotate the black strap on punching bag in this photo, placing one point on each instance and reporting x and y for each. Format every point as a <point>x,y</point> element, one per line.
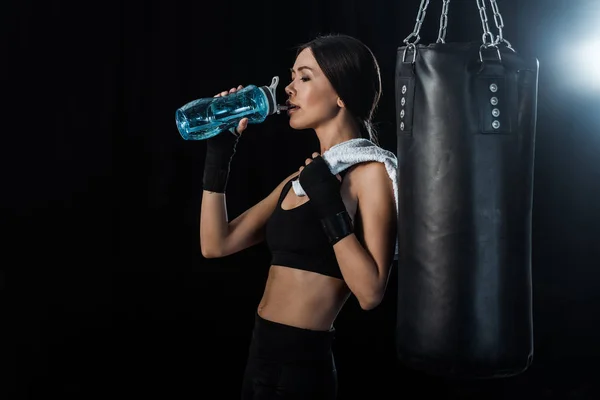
<point>466,122</point>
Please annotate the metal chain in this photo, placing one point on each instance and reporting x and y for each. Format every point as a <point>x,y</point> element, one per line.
<point>415,33</point>
<point>443,23</point>
<point>500,25</point>
<point>487,37</point>
<point>418,24</point>
<point>487,34</point>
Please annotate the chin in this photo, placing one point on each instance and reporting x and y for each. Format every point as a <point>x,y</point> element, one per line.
<point>297,126</point>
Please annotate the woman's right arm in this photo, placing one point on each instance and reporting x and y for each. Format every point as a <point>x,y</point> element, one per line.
<point>219,238</point>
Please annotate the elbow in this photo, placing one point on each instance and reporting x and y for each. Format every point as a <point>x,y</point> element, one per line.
<point>369,305</point>
<point>370,302</point>
<point>208,252</point>
<point>209,247</point>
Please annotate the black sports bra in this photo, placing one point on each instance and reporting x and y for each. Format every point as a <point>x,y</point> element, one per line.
<point>296,239</point>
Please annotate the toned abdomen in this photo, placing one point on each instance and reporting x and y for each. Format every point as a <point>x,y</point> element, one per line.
<point>302,299</point>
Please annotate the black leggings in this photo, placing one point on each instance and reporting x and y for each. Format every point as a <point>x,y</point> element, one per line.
<point>286,362</point>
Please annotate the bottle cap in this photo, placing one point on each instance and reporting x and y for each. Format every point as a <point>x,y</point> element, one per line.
<point>270,93</point>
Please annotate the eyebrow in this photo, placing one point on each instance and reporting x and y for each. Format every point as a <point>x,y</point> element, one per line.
<point>300,69</point>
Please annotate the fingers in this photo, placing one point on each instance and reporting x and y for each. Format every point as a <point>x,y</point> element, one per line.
<point>225,92</point>
<point>309,160</point>
<point>306,162</point>
<point>242,125</point>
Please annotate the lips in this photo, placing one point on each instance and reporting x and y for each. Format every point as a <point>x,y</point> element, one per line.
<point>291,107</point>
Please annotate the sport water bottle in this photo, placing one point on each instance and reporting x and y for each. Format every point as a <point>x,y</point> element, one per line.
<point>207,117</point>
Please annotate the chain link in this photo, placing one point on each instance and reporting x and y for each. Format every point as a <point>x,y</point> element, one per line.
<point>418,24</point>
<point>443,23</point>
<point>487,37</point>
<point>487,34</point>
<point>415,33</point>
<point>500,25</point>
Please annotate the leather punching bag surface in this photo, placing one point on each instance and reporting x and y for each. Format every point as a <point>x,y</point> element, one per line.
<point>466,122</point>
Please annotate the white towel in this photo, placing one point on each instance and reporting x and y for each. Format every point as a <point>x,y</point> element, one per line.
<point>353,151</point>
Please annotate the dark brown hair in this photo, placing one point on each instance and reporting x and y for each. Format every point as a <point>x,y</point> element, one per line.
<point>354,73</point>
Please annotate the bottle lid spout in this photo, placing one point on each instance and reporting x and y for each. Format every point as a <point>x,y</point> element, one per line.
<point>271,92</point>
<point>274,83</point>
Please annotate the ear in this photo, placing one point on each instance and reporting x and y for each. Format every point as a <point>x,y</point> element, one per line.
<point>340,103</point>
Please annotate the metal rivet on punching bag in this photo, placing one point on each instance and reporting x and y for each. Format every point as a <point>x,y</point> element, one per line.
<point>465,173</point>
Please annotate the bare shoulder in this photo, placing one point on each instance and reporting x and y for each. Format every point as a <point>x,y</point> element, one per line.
<point>371,179</point>
<point>376,223</point>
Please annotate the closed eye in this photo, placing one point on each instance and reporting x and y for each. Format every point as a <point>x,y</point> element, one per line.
<point>303,79</point>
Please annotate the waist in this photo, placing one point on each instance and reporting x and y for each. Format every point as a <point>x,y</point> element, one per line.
<point>302,298</point>
<point>276,341</point>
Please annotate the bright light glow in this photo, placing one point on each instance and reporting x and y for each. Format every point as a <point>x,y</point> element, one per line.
<point>585,65</point>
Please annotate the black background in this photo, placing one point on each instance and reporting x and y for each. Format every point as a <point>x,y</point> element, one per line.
<point>106,294</point>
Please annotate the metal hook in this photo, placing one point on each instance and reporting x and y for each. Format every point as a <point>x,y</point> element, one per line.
<point>414,49</point>
<point>487,46</point>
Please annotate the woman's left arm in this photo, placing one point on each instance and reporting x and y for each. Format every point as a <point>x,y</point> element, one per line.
<point>364,251</point>
<point>365,257</point>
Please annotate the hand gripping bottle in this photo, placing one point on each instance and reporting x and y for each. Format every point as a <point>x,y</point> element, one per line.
<point>207,117</point>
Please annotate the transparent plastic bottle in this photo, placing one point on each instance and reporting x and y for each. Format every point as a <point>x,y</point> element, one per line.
<point>207,117</point>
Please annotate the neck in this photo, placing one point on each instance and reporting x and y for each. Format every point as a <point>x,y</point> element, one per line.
<point>337,130</point>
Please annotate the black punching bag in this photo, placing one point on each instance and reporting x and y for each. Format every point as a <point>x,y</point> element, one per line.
<point>466,122</point>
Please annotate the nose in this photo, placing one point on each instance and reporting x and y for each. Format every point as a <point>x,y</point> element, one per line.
<point>289,89</point>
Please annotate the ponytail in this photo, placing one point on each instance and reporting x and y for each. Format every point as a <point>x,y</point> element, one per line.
<point>367,130</point>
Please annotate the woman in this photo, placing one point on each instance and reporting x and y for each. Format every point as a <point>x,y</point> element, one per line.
<point>336,241</point>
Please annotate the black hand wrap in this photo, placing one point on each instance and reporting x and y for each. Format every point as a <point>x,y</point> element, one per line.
<point>323,190</point>
<point>219,152</point>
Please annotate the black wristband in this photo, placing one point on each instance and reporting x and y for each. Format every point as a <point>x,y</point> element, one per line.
<point>215,179</point>
<point>337,226</point>
<point>219,153</point>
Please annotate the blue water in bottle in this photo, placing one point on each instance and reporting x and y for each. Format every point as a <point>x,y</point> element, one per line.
<point>207,117</point>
